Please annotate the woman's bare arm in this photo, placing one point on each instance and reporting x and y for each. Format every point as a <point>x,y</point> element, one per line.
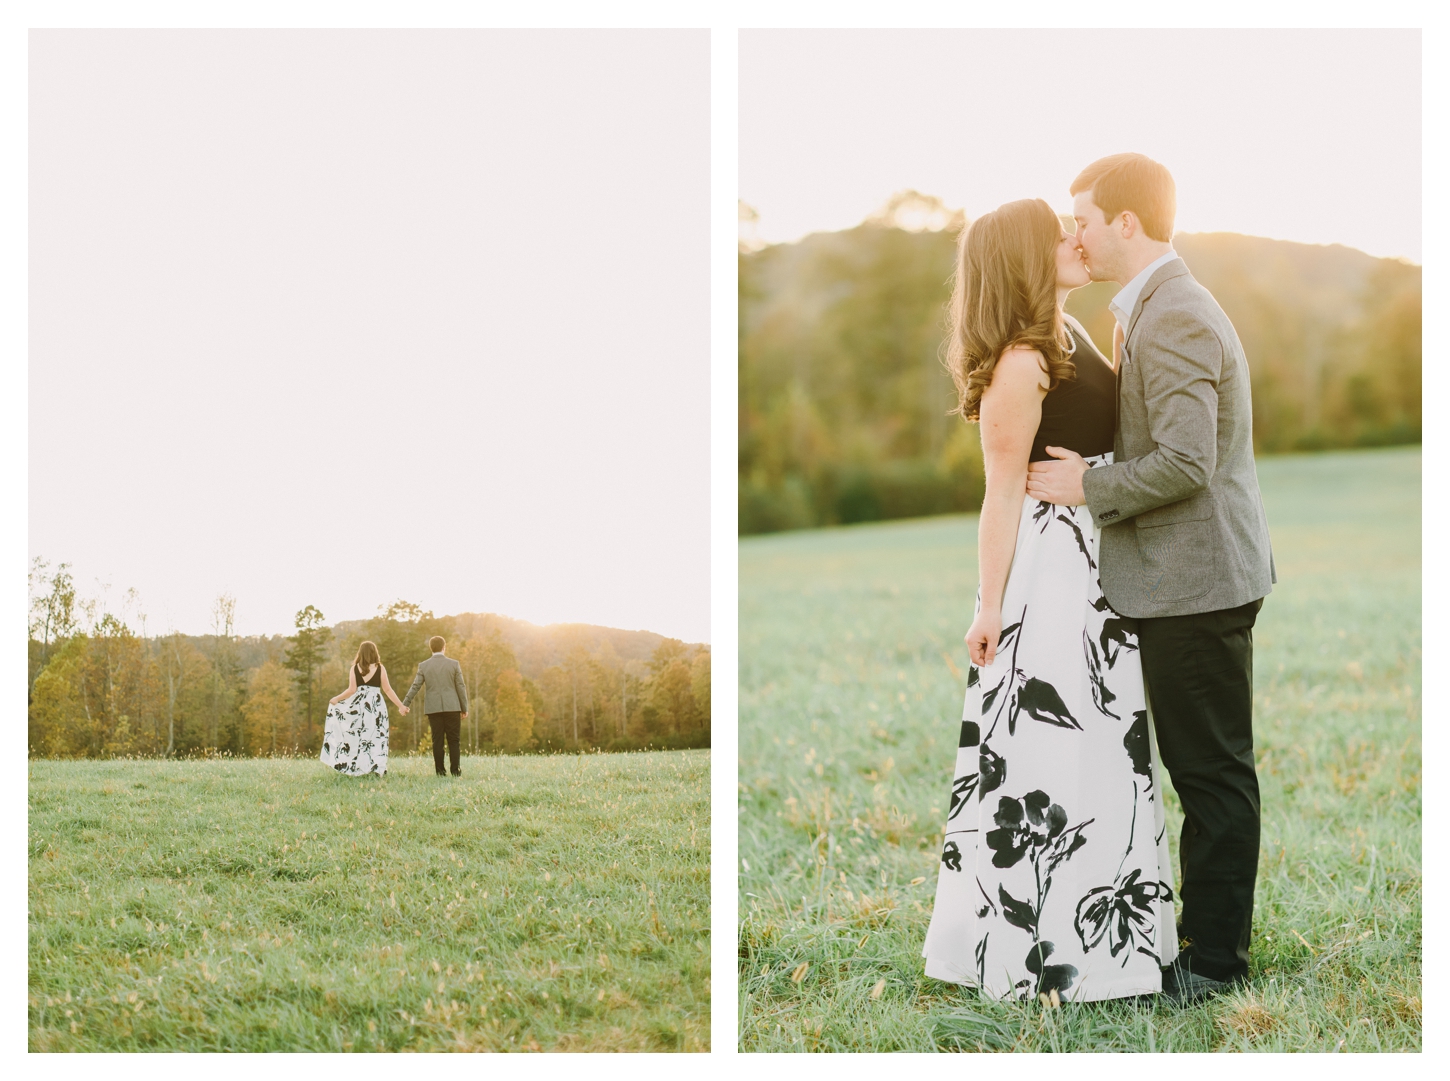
<point>388,690</point>
<point>1011,410</point>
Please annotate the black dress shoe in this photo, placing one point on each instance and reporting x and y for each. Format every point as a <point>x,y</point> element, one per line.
<point>1184,987</point>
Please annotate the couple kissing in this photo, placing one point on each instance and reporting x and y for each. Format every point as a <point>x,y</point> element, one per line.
<point>1124,556</point>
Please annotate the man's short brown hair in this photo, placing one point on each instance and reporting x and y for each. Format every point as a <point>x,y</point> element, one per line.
<point>435,644</point>
<point>1133,182</point>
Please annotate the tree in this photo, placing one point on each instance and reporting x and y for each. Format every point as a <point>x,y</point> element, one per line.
<point>576,665</point>
<point>118,650</point>
<point>554,688</point>
<point>483,658</point>
<point>88,701</point>
<point>54,612</point>
<point>267,707</point>
<point>514,715</point>
<point>628,679</point>
<point>670,649</point>
<point>177,662</point>
<point>58,720</point>
<point>225,675</point>
<point>304,655</point>
<point>470,660</point>
<point>700,687</point>
<point>671,696</point>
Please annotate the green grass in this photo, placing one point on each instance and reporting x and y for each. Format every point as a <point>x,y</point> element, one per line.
<point>852,672</point>
<point>536,903</point>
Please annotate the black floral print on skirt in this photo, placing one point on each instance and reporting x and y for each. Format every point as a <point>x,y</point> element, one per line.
<point>1055,871</point>
<point>355,738</point>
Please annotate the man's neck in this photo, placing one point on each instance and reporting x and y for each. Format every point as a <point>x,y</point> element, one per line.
<point>1142,259</point>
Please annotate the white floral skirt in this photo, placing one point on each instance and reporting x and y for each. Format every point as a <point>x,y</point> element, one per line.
<point>1055,869</point>
<point>355,737</point>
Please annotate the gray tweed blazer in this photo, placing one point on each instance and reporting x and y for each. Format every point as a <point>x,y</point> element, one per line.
<point>443,677</point>
<point>1183,525</point>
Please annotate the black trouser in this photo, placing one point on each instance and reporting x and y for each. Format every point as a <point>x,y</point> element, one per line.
<point>1200,675</point>
<point>445,725</point>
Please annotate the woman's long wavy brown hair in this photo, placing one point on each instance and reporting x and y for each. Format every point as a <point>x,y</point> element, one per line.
<point>1005,295</point>
<point>367,656</point>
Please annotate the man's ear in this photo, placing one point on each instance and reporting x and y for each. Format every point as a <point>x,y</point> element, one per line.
<point>1128,222</point>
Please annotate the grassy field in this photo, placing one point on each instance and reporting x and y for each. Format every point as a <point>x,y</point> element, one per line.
<point>852,672</point>
<point>536,903</point>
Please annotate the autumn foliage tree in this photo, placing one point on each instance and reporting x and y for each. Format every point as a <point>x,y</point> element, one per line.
<point>513,713</point>
<point>268,709</point>
<point>483,659</point>
<point>304,657</point>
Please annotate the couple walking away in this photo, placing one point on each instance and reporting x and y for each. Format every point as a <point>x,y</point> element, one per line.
<point>355,741</point>
<point>1124,555</point>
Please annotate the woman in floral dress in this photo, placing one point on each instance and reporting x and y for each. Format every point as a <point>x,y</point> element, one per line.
<point>355,739</point>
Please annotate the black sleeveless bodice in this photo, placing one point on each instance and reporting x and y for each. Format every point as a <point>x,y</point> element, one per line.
<point>376,681</point>
<point>1080,414</point>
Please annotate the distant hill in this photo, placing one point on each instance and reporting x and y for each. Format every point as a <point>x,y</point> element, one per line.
<point>1325,282</point>
<point>844,403</point>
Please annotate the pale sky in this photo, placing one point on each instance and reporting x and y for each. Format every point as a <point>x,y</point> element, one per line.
<point>341,317</point>
<point>1306,135</point>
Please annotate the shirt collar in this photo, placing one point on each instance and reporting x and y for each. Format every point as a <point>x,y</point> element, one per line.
<point>1122,305</point>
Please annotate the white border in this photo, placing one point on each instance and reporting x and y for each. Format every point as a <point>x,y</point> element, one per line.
<point>724,566</point>
<point>724,19</point>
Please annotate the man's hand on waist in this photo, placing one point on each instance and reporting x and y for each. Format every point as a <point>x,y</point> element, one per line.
<point>1058,482</point>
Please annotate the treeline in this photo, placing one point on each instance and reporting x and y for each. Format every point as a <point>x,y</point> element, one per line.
<point>844,404</point>
<point>100,687</point>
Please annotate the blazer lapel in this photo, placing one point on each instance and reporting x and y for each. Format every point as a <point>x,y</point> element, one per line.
<point>1171,269</point>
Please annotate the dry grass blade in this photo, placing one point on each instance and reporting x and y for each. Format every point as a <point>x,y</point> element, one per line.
<point>1249,1020</point>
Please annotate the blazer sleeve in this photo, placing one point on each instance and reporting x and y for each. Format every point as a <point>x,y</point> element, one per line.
<point>1180,361</point>
<point>458,683</point>
<point>417,685</point>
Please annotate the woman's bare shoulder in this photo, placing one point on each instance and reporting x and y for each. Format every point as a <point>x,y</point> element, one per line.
<point>1021,365</point>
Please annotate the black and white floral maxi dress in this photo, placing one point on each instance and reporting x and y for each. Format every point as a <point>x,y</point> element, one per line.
<point>1055,870</point>
<point>355,737</point>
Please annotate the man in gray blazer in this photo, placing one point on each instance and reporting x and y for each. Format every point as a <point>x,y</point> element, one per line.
<point>1184,545</point>
<point>445,702</point>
